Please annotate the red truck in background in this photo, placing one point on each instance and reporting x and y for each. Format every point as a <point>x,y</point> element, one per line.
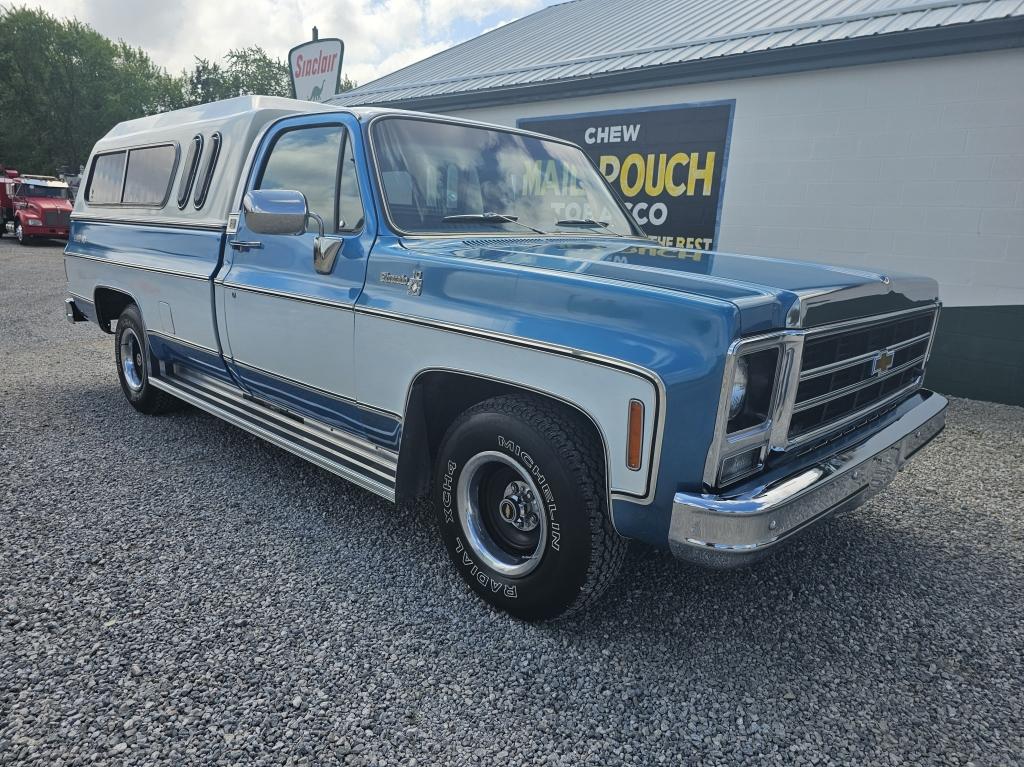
<point>37,206</point>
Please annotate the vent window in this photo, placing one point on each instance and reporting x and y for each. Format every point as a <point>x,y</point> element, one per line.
<point>150,172</point>
<point>206,176</point>
<point>188,176</point>
<point>106,179</point>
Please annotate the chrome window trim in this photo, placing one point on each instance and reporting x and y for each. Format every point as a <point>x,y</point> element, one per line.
<point>248,166</point>
<point>346,138</point>
<point>788,378</point>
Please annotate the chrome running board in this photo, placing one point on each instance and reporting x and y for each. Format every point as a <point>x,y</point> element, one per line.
<point>360,462</point>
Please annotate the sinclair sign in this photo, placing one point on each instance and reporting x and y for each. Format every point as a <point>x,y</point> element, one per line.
<point>316,68</point>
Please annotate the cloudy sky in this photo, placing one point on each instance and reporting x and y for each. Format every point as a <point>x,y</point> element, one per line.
<point>380,36</point>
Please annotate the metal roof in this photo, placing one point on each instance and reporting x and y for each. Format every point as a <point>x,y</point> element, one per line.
<point>598,39</point>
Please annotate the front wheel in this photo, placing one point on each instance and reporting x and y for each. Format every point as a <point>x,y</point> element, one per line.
<point>19,232</point>
<point>520,499</point>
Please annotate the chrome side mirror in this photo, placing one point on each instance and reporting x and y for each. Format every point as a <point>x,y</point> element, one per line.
<point>275,211</point>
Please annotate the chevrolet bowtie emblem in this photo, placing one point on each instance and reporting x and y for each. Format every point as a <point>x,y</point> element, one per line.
<point>882,363</point>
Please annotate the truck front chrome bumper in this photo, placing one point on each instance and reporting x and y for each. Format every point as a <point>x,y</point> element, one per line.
<point>733,529</point>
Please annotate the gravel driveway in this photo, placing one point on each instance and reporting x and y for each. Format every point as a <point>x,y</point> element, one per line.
<point>173,590</point>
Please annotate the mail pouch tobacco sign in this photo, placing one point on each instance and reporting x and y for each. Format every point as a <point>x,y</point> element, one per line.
<point>667,163</point>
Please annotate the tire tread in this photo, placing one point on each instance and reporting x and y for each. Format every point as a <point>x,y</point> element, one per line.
<point>573,440</point>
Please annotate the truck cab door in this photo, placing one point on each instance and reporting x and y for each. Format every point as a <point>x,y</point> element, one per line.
<point>287,327</point>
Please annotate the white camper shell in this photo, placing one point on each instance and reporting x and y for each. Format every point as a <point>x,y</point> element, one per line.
<point>180,167</point>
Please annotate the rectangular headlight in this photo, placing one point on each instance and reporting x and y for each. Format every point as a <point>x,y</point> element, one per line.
<point>752,408</point>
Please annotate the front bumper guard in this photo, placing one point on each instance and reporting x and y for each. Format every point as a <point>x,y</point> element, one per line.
<point>735,529</point>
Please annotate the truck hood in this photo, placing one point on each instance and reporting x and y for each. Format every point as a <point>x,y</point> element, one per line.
<point>770,293</point>
<point>48,203</point>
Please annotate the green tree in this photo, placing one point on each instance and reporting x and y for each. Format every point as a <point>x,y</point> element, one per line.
<point>63,85</point>
<point>245,71</point>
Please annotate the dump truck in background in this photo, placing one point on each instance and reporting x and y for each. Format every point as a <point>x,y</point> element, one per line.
<point>34,206</point>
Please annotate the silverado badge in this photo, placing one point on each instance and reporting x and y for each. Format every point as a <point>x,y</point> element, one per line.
<point>414,284</point>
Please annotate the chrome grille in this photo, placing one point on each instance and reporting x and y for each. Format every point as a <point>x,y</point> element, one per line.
<point>57,217</point>
<point>851,372</point>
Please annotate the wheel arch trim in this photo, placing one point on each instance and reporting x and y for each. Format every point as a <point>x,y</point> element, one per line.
<point>606,453</point>
<point>104,321</point>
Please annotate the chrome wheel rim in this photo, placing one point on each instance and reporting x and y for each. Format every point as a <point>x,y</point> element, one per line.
<point>133,363</point>
<point>502,514</point>
<point>19,233</point>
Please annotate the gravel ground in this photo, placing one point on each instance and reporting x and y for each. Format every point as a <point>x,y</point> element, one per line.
<point>174,591</point>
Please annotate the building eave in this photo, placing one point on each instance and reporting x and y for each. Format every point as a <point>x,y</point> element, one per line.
<point>995,34</point>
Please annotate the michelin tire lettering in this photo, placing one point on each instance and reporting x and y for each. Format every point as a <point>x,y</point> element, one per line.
<point>542,484</point>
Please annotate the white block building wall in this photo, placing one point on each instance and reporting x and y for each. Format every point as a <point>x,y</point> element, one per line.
<point>913,166</point>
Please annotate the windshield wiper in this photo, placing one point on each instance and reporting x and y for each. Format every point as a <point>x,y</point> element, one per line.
<point>587,222</point>
<point>489,218</point>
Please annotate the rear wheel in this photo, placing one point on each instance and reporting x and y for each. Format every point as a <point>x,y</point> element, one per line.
<point>520,499</point>
<point>134,364</point>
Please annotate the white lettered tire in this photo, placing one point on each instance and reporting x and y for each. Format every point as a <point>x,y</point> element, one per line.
<point>520,500</point>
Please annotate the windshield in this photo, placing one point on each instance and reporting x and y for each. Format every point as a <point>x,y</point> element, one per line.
<point>34,190</point>
<point>446,178</point>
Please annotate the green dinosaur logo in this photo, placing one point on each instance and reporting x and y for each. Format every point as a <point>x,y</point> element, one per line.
<point>317,92</point>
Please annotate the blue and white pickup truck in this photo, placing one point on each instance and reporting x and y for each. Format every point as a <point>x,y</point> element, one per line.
<point>428,305</point>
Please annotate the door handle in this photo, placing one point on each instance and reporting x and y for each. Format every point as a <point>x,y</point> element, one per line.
<point>245,244</point>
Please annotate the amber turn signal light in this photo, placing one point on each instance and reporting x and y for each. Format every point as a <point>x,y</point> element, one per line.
<point>635,444</point>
